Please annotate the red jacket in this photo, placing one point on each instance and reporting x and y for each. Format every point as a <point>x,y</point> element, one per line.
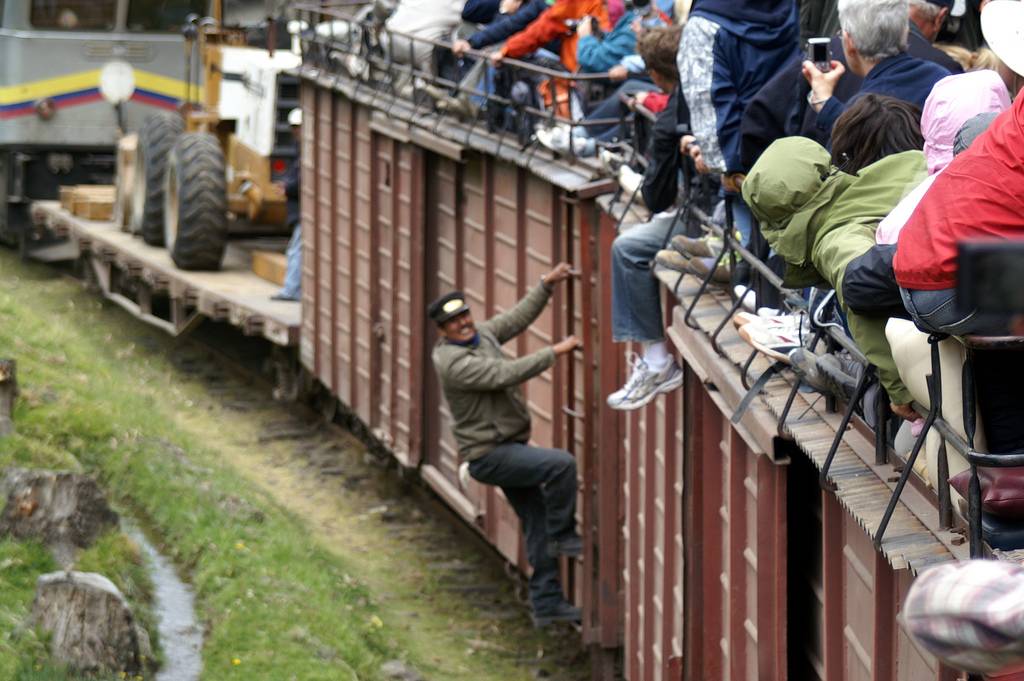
<point>980,195</point>
<point>550,25</point>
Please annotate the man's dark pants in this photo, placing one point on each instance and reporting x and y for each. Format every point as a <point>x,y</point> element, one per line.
<point>541,486</point>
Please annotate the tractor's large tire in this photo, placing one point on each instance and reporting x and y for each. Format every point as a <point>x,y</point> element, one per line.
<point>196,203</point>
<point>156,139</point>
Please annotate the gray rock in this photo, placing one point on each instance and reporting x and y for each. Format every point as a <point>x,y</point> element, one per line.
<point>91,626</point>
<point>396,670</point>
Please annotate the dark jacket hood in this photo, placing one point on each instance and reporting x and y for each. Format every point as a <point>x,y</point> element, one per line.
<point>750,16</point>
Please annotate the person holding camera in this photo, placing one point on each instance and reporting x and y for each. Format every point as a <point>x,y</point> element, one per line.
<point>491,424</point>
<point>875,45</point>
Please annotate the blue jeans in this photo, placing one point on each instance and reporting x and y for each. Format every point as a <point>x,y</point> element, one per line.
<point>938,311</point>
<point>293,274</point>
<point>541,486</point>
<point>636,294</point>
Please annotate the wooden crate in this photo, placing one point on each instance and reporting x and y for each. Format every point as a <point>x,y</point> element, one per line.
<point>67,195</point>
<point>93,202</point>
<point>270,266</point>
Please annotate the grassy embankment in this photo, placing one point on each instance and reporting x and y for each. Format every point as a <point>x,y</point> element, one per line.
<point>275,604</point>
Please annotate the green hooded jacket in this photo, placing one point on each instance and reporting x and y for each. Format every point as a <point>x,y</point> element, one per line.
<point>819,219</point>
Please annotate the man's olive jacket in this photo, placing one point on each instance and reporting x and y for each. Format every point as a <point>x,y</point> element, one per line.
<point>483,386</point>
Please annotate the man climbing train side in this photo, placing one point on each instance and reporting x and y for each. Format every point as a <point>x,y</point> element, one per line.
<point>483,387</point>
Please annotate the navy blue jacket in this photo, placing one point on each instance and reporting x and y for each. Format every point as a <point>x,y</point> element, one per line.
<point>903,77</point>
<point>724,61</point>
<point>506,25</point>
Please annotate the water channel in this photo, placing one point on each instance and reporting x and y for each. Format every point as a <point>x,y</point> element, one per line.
<point>181,636</point>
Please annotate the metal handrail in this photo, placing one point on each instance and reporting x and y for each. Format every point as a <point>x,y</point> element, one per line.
<point>365,39</point>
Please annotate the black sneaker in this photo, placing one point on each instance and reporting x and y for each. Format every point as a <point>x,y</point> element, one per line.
<point>571,545</point>
<point>563,612</point>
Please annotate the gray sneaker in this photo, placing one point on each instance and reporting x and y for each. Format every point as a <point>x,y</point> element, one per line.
<point>824,373</point>
<point>644,385</point>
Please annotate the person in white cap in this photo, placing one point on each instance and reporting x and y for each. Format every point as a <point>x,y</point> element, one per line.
<point>293,274</point>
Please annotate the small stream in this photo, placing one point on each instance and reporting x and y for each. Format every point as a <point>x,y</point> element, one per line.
<point>181,636</point>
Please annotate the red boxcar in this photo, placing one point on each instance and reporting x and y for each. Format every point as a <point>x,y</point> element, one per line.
<point>711,552</point>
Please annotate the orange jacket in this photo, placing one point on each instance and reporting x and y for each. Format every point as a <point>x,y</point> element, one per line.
<point>550,25</point>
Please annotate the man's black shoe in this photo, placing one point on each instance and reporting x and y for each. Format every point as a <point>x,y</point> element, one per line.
<point>571,545</point>
<point>563,612</point>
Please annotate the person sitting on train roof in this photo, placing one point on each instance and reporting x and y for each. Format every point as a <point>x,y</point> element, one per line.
<point>818,217</point>
<point>654,52</point>
<point>557,24</point>
<point>729,50</point>
<point>491,424</point>
<point>875,45</point>
<point>636,294</point>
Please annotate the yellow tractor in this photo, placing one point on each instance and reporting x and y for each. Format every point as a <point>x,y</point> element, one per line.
<point>208,172</point>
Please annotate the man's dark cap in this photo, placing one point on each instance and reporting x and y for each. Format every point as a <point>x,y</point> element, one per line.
<point>447,307</point>
<point>942,3</point>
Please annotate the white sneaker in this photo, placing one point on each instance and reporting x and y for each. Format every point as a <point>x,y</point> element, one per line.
<point>555,137</point>
<point>645,384</point>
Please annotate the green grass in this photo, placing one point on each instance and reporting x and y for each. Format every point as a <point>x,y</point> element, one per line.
<point>275,605</point>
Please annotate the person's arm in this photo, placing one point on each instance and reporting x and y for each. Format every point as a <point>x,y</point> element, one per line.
<point>697,68</point>
<point>471,372</point>
<point>505,26</point>
<point>511,323</point>
<point>546,28</point>
<point>661,178</point>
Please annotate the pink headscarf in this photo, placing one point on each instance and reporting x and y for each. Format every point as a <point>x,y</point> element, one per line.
<point>954,101</point>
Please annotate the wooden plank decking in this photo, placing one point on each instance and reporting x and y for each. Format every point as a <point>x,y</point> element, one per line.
<point>234,294</point>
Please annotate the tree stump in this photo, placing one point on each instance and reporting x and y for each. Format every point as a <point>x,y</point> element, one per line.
<point>8,392</point>
<point>63,510</point>
<point>90,623</point>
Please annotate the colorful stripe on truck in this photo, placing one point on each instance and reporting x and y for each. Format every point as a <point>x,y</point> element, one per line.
<point>83,88</point>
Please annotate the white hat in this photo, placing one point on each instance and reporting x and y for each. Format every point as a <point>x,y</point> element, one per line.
<point>1002,24</point>
<point>295,116</point>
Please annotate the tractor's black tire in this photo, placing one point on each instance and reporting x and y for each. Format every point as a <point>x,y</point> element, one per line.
<point>156,139</point>
<point>196,203</point>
